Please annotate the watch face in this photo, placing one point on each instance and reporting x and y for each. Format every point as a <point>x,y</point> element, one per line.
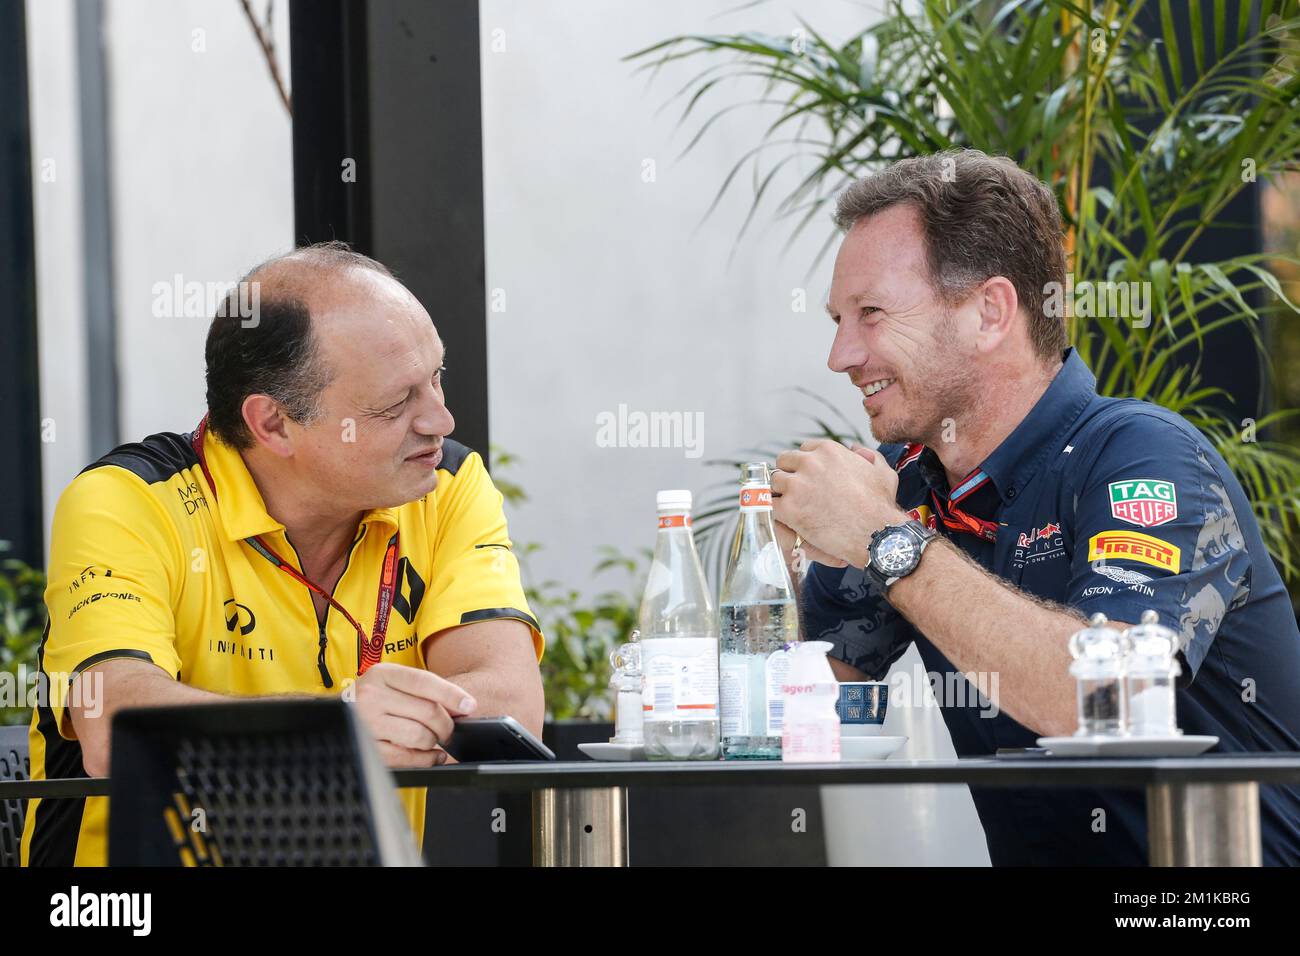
<point>895,553</point>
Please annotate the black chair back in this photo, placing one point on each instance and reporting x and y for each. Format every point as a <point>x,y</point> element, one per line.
<point>15,764</point>
<point>256,783</point>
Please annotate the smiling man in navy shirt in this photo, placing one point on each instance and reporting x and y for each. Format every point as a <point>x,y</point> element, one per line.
<point>1008,501</point>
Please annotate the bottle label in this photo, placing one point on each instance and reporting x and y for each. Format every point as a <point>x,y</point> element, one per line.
<point>674,521</point>
<point>733,695</point>
<point>755,498</point>
<point>775,670</point>
<point>681,678</point>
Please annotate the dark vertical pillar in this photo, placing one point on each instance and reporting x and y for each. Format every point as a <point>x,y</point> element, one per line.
<point>21,520</point>
<point>328,72</point>
<point>395,87</point>
<point>426,145</point>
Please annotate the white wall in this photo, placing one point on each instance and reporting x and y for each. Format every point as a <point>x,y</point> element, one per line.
<point>57,205</point>
<point>202,184</point>
<point>613,296</point>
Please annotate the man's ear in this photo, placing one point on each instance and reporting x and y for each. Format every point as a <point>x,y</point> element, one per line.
<point>268,424</point>
<point>998,306</point>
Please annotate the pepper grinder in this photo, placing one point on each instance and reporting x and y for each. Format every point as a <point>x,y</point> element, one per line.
<point>1098,651</point>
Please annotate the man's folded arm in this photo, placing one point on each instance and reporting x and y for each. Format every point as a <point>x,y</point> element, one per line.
<point>475,626</point>
<point>496,662</point>
<point>122,683</point>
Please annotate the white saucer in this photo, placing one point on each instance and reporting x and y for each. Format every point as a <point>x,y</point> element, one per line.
<point>613,751</point>
<point>1183,745</point>
<point>855,749</point>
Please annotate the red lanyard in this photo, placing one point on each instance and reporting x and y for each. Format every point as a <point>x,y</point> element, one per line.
<point>955,519</point>
<point>369,649</point>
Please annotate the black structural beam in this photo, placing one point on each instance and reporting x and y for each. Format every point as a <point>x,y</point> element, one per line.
<point>388,156</point>
<point>21,513</point>
<point>327,75</point>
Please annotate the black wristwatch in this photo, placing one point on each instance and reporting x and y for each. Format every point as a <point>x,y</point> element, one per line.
<point>895,551</point>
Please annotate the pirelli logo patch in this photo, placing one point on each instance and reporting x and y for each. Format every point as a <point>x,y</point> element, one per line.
<point>1134,546</point>
<point>1143,501</point>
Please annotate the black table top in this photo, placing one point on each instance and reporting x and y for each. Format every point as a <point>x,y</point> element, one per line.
<point>1003,771</point>
<point>1008,771</point>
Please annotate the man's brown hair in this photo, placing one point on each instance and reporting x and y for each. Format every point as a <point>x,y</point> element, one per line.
<point>982,216</point>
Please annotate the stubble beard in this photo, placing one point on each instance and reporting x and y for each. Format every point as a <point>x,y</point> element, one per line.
<point>951,393</point>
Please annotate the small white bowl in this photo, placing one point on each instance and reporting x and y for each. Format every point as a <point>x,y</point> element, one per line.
<point>855,749</point>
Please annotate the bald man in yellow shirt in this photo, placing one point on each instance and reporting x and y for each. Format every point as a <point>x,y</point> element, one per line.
<point>317,533</point>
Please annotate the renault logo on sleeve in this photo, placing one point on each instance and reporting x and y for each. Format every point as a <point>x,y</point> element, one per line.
<point>241,615</point>
<point>410,591</point>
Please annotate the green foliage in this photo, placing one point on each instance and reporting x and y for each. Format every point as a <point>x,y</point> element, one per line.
<point>22,621</point>
<point>580,633</point>
<point>1077,95</point>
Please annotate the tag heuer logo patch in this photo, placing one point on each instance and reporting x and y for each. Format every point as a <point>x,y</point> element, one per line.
<point>1143,501</point>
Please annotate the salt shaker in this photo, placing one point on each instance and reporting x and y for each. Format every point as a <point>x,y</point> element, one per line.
<point>625,682</point>
<point>1099,655</point>
<point>1151,668</point>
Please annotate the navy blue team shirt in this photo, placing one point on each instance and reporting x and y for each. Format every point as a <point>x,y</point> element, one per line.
<point>1111,505</point>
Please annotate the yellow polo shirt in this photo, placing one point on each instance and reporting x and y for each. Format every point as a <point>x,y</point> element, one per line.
<point>147,562</point>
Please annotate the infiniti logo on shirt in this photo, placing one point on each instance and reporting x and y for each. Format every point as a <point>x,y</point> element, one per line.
<point>240,615</point>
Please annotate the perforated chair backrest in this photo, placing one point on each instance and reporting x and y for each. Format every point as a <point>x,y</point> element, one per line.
<point>15,764</point>
<point>259,783</point>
